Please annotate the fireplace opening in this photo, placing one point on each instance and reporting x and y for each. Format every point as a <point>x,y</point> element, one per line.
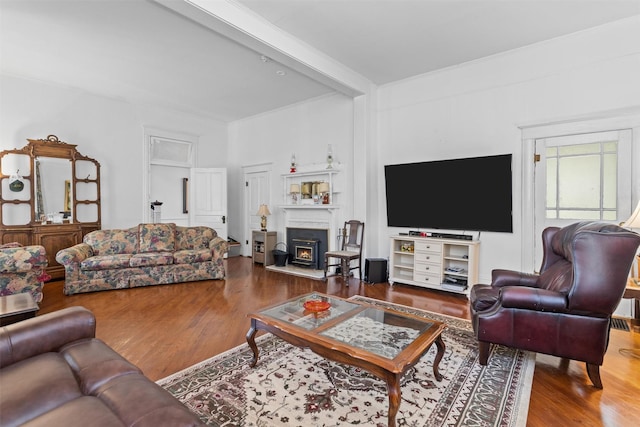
<point>307,246</point>
<point>306,252</point>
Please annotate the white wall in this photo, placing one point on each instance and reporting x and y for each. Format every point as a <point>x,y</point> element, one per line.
<point>305,129</point>
<point>476,109</point>
<point>109,130</point>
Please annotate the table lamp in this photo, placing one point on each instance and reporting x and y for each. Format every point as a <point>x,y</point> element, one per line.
<point>263,211</point>
<point>634,222</point>
<point>323,189</point>
<point>294,190</point>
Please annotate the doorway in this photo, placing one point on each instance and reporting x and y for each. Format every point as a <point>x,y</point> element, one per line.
<point>257,179</point>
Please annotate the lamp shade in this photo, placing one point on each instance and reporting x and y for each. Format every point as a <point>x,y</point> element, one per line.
<point>634,219</point>
<point>294,188</point>
<point>323,187</point>
<point>263,210</point>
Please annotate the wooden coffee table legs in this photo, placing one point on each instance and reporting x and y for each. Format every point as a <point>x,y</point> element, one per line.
<point>393,383</point>
<point>251,340</point>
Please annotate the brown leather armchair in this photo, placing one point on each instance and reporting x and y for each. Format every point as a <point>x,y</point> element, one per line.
<point>565,310</point>
<point>54,372</point>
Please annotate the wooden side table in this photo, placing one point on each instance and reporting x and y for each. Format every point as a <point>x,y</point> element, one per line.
<point>263,243</point>
<point>633,291</point>
<point>17,307</point>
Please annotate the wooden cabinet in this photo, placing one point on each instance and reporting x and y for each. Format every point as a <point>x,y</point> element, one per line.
<point>49,196</point>
<point>263,243</point>
<point>444,264</point>
<point>55,237</point>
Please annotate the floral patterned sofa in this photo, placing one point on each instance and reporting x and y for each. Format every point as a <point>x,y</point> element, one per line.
<point>149,254</point>
<point>22,269</point>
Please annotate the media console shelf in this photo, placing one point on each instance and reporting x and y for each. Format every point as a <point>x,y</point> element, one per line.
<point>445,264</point>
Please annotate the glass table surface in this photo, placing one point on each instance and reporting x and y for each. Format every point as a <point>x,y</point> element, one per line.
<point>375,330</point>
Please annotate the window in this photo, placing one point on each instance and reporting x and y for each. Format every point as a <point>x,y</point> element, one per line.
<point>584,177</point>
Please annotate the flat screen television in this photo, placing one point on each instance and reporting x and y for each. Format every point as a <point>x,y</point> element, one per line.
<point>467,194</point>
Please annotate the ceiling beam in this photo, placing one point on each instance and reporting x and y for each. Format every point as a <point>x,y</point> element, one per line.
<point>237,23</point>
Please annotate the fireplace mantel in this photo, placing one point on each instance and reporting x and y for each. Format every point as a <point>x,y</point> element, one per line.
<point>316,207</point>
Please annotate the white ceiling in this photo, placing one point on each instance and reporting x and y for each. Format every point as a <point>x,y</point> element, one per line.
<point>146,53</point>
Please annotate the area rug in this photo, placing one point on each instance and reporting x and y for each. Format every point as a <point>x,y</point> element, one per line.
<point>295,387</point>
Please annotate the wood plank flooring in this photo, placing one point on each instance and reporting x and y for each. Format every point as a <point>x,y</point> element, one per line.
<point>163,329</point>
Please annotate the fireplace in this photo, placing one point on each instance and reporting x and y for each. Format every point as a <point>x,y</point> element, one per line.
<point>307,246</point>
<point>305,252</point>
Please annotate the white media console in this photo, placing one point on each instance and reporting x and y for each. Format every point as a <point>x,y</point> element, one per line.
<point>437,263</point>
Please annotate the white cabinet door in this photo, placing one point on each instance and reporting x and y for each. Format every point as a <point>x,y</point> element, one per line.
<point>208,199</point>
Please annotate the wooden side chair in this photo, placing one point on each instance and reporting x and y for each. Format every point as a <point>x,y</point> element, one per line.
<point>350,250</point>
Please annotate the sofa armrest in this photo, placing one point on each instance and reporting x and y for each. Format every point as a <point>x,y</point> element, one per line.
<point>45,333</point>
<point>501,278</point>
<point>533,299</point>
<point>74,255</point>
<point>218,247</point>
<point>20,259</point>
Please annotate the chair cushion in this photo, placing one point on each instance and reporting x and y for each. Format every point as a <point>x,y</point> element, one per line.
<point>558,277</point>
<point>483,297</point>
<point>343,254</point>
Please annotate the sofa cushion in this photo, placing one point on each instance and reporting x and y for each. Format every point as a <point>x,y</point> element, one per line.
<point>111,242</point>
<point>192,256</point>
<point>95,364</point>
<point>81,412</point>
<point>151,259</point>
<point>197,237</point>
<point>106,262</point>
<point>47,382</point>
<point>157,238</point>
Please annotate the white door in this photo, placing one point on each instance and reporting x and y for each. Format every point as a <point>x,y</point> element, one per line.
<point>208,199</point>
<point>257,192</point>
<point>584,177</point>
<point>166,187</point>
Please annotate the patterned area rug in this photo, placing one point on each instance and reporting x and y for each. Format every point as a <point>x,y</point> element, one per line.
<point>295,387</point>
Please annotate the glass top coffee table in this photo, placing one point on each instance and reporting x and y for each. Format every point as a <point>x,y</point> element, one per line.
<point>384,342</point>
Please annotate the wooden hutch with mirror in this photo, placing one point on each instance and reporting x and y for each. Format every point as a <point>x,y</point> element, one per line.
<point>49,196</point>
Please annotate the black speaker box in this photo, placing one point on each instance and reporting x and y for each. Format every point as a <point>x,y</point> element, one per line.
<point>375,270</point>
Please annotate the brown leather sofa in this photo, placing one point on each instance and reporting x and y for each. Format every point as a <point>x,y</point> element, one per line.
<point>54,372</point>
<point>565,310</point>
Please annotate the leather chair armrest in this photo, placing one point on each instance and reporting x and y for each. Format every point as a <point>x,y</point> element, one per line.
<point>45,333</point>
<point>533,299</point>
<point>501,278</point>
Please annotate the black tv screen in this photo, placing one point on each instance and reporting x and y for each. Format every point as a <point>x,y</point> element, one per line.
<point>469,194</point>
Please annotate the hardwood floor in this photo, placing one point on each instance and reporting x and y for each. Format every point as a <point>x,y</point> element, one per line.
<point>163,329</point>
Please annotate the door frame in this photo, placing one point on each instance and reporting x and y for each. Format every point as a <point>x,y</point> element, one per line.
<point>151,132</point>
<point>265,168</point>
<point>628,119</point>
